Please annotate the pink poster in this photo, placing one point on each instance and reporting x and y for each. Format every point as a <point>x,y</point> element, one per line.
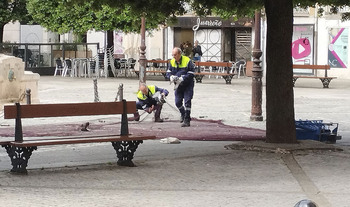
<point>118,43</point>
<point>302,44</point>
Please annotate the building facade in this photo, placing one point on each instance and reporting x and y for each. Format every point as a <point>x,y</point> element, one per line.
<point>316,39</point>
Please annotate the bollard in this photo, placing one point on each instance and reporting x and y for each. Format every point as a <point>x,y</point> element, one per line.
<point>18,126</point>
<point>305,203</point>
<point>96,91</point>
<point>119,93</point>
<point>28,96</point>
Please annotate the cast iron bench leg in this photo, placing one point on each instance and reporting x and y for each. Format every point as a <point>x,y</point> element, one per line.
<point>198,78</point>
<point>294,79</point>
<point>125,151</point>
<point>19,157</point>
<point>164,74</point>
<point>228,78</point>
<point>325,82</point>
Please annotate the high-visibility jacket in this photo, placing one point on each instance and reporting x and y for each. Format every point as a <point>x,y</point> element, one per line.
<point>185,69</point>
<point>151,91</point>
<point>146,101</point>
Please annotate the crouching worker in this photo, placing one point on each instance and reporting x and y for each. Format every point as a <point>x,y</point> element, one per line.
<point>150,98</point>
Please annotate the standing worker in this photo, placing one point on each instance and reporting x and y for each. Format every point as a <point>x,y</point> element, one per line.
<point>181,73</point>
<point>150,98</point>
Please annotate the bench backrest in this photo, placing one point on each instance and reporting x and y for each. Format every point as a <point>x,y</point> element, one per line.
<point>314,67</point>
<point>217,64</point>
<point>69,109</point>
<point>158,61</point>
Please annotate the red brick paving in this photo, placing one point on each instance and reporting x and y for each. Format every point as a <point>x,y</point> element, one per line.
<point>210,130</point>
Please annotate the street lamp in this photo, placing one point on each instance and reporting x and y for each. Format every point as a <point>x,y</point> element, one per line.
<point>256,112</point>
<point>142,59</point>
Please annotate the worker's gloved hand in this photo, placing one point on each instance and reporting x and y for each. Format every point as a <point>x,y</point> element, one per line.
<point>180,80</point>
<point>149,109</point>
<point>162,98</point>
<point>174,78</point>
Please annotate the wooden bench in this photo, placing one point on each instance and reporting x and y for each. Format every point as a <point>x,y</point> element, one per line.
<point>21,149</point>
<point>162,72</point>
<point>324,79</point>
<point>156,66</point>
<point>227,76</point>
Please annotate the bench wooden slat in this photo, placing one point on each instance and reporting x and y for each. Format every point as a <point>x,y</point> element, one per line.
<point>69,137</point>
<point>318,77</point>
<point>4,142</point>
<point>213,73</point>
<point>155,71</point>
<point>68,109</point>
<point>314,67</point>
<point>217,64</point>
<point>44,142</point>
<point>157,61</point>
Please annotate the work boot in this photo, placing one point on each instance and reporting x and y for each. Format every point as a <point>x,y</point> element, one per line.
<point>186,123</point>
<point>158,119</point>
<point>135,118</point>
<point>157,114</point>
<point>182,112</point>
<point>182,118</point>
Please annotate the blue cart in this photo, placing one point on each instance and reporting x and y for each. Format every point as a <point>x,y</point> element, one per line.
<point>317,130</point>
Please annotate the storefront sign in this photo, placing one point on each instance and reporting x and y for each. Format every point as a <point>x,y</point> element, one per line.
<point>208,23</point>
<point>196,23</point>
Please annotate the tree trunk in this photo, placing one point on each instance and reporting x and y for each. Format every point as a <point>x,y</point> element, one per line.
<point>280,122</point>
<point>110,39</point>
<point>2,33</point>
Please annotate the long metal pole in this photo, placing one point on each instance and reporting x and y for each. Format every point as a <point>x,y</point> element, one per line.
<point>256,112</point>
<point>143,60</point>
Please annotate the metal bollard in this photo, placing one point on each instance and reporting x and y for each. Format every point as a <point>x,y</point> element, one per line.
<point>120,93</point>
<point>28,96</point>
<point>96,91</point>
<point>305,203</point>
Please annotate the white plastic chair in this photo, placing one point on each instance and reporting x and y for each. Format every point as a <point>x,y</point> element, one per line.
<point>131,65</point>
<point>233,67</point>
<point>59,67</point>
<point>240,65</point>
<point>208,68</point>
<point>67,68</point>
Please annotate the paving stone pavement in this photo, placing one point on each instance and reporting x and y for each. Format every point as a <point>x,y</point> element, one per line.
<point>192,173</point>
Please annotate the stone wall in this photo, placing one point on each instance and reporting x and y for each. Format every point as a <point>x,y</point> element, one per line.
<point>14,81</point>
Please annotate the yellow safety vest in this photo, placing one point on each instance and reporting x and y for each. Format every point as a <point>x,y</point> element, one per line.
<point>183,63</point>
<point>151,91</point>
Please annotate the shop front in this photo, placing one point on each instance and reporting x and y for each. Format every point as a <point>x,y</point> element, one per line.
<point>220,40</point>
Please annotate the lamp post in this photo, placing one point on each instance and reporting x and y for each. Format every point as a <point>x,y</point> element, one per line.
<point>256,112</point>
<point>142,59</point>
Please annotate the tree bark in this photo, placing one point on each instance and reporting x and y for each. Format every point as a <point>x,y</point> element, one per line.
<point>2,33</point>
<point>110,39</point>
<point>280,121</point>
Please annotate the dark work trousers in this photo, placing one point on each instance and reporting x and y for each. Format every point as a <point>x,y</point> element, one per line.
<point>145,103</point>
<point>184,94</point>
